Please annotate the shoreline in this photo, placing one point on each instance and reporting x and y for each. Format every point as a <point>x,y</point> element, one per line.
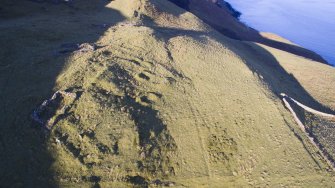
<point>225,20</point>
<point>282,37</point>
<point>234,12</point>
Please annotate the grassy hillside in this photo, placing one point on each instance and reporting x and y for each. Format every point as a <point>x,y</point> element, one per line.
<point>156,97</point>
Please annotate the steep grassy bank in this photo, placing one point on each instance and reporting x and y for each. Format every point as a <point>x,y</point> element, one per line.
<point>161,100</point>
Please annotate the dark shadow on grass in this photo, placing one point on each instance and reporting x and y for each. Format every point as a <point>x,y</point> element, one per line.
<point>259,61</point>
<point>30,62</point>
<point>264,64</point>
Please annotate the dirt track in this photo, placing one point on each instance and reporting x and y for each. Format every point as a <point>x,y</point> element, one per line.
<point>303,127</point>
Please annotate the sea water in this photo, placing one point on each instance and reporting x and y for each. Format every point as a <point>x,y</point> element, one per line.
<point>308,23</point>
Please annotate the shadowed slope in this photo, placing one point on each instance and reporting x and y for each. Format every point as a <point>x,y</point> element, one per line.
<point>31,38</point>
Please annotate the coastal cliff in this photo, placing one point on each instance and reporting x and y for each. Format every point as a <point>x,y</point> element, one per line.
<point>224,18</point>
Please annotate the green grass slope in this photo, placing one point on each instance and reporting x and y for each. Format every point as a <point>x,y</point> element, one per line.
<point>162,100</point>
